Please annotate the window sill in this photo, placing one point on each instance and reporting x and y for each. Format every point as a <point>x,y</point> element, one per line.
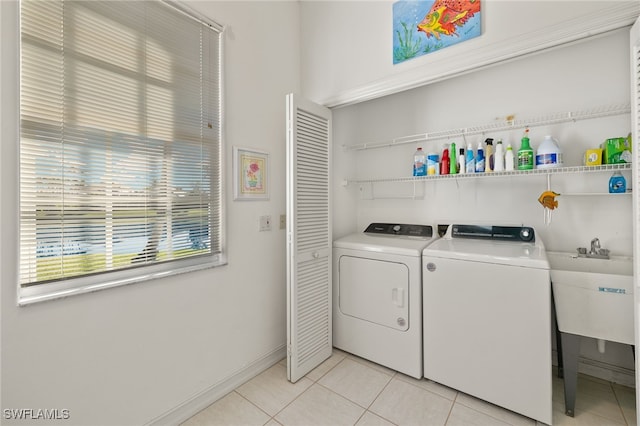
<point>88,284</point>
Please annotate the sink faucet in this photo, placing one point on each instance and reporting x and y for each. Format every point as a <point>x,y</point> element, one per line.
<point>596,252</point>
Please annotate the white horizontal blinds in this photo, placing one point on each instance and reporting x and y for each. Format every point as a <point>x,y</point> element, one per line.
<point>212,117</point>
<point>635,127</point>
<point>41,116</point>
<point>119,147</point>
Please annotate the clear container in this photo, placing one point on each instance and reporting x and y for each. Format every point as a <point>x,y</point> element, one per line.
<point>419,163</point>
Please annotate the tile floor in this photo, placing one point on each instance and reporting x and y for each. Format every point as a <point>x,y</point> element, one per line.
<point>347,390</point>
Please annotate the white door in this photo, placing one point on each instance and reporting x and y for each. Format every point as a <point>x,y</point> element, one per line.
<point>374,290</point>
<point>309,334</point>
<point>635,128</point>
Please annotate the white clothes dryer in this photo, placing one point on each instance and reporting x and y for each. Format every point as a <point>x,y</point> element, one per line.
<point>487,316</point>
<point>377,295</point>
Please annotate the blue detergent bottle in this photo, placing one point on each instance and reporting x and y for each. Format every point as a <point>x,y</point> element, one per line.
<point>480,159</point>
<point>471,160</point>
<point>617,184</point>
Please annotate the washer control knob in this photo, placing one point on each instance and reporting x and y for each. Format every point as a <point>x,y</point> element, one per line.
<point>525,234</point>
<point>396,228</point>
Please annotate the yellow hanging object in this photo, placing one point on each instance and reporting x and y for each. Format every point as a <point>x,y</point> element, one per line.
<point>548,199</point>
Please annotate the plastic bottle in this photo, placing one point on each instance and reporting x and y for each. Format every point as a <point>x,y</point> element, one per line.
<point>617,183</point>
<point>419,163</point>
<point>471,161</point>
<point>549,154</point>
<point>453,163</point>
<point>525,153</point>
<point>444,163</point>
<point>461,161</point>
<point>488,155</point>
<point>498,157</point>
<point>480,159</point>
<point>508,159</point>
<point>433,166</point>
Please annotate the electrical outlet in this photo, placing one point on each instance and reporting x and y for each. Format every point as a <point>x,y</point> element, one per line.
<point>283,221</point>
<point>265,223</point>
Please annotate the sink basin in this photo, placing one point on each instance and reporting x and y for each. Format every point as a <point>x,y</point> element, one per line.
<point>593,297</point>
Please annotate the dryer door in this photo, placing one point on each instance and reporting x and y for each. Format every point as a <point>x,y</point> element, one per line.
<point>375,291</point>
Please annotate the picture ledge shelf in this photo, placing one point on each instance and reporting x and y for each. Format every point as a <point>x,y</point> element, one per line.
<point>515,124</point>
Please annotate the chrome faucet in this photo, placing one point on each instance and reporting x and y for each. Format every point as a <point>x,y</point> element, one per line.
<point>596,251</point>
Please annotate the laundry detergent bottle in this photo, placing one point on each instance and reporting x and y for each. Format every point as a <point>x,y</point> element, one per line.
<point>549,154</point>
<point>617,184</point>
<point>488,155</point>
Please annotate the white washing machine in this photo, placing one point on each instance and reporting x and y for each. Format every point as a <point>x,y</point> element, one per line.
<point>487,316</point>
<point>377,296</point>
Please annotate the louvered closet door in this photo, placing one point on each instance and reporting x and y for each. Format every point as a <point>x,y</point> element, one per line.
<point>309,336</point>
<point>635,128</point>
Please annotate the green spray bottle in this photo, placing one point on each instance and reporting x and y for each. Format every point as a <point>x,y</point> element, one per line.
<point>453,163</point>
<point>525,153</point>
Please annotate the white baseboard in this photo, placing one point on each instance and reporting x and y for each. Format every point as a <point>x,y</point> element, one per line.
<point>207,397</point>
<point>608,372</point>
<point>604,371</point>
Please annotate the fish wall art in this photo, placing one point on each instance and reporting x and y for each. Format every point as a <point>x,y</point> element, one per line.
<point>421,27</point>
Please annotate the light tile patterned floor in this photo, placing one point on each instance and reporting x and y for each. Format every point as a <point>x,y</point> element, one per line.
<point>347,390</point>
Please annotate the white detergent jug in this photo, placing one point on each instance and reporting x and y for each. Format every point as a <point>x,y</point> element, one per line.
<point>549,154</point>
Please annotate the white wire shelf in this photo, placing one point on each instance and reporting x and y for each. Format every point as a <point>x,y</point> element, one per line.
<point>515,124</point>
<point>596,194</point>
<point>558,170</point>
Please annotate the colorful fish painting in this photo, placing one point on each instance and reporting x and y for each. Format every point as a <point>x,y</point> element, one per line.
<point>422,27</point>
<point>446,16</point>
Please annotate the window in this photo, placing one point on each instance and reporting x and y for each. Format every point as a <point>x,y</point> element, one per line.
<point>120,145</point>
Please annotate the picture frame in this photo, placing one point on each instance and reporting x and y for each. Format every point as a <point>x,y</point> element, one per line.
<point>423,27</point>
<point>250,174</point>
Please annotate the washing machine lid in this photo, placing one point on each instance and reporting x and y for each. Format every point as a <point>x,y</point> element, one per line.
<point>382,238</point>
<point>511,246</point>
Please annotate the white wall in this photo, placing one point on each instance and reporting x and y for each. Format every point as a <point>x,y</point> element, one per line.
<point>128,355</point>
<point>585,75</point>
<point>347,54</point>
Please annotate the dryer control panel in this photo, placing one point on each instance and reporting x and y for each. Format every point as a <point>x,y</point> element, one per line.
<point>523,234</point>
<point>406,230</point>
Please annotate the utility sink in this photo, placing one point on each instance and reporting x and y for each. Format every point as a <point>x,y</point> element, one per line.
<point>593,297</point>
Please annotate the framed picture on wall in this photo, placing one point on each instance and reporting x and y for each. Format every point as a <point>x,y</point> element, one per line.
<point>251,174</point>
<point>421,27</point>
